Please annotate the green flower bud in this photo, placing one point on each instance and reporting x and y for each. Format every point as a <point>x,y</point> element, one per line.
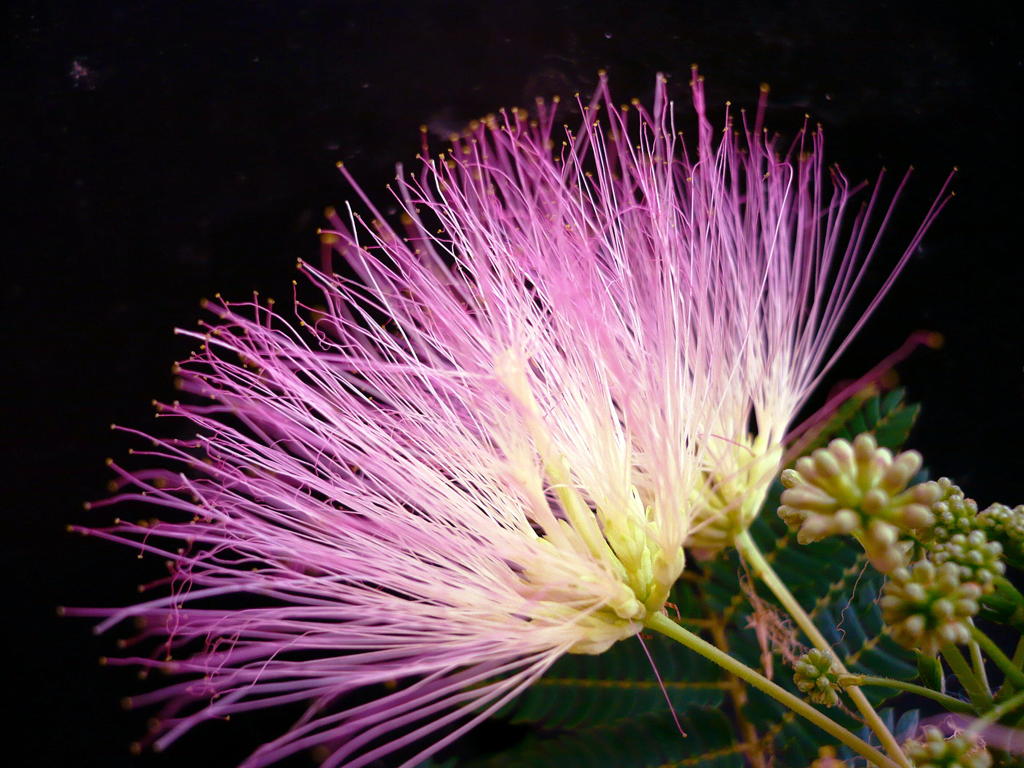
<point>815,676</point>
<point>962,750</point>
<point>927,606</point>
<point>859,489</point>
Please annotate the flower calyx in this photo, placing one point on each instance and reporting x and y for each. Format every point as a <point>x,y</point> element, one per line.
<point>633,564</point>
<point>733,493</point>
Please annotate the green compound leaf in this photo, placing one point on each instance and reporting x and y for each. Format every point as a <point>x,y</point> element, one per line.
<point>648,741</point>
<point>619,684</point>
<point>886,416</point>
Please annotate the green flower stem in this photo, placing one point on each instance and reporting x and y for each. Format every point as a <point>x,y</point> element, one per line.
<point>1007,588</point>
<point>763,570</point>
<point>978,662</point>
<point>979,698</point>
<point>1018,654</point>
<point>1007,688</point>
<point>1008,601</point>
<point>1013,674</point>
<point>662,623</point>
<point>997,713</point>
<point>950,703</point>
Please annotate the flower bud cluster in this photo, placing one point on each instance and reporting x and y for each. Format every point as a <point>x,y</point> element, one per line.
<point>960,751</point>
<point>815,675</point>
<point>927,606</point>
<point>1006,526</point>
<point>861,490</point>
<point>979,559</point>
<point>953,512</point>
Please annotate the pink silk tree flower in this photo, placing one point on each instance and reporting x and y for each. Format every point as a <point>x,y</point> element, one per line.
<point>473,457</point>
<point>773,258</point>
<point>489,441</point>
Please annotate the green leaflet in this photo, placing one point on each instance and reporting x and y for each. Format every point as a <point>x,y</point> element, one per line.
<point>903,727</point>
<point>888,417</point>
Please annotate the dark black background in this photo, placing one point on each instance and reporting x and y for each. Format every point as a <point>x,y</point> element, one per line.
<point>157,152</point>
